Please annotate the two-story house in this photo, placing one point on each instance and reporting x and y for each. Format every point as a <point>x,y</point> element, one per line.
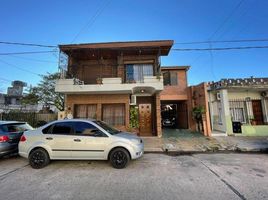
<point>102,80</point>
<point>174,97</point>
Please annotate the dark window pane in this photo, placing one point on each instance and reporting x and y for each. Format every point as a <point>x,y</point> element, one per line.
<point>129,73</point>
<point>166,77</point>
<point>83,128</point>
<point>18,127</point>
<point>173,78</point>
<point>64,128</point>
<point>47,130</point>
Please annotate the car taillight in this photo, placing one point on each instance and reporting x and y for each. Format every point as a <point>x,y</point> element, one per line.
<point>22,138</point>
<point>4,138</point>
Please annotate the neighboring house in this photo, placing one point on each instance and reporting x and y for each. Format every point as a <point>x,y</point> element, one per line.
<point>102,81</point>
<point>239,106</point>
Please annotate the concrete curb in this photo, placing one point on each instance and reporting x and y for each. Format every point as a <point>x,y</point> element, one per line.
<point>180,152</point>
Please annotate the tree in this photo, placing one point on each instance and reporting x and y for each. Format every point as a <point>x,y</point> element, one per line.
<point>31,98</point>
<point>46,92</point>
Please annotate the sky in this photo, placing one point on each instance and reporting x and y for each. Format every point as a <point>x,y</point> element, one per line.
<point>53,22</point>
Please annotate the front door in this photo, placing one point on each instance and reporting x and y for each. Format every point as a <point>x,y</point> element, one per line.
<point>257,112</point>
<point>145,119</point>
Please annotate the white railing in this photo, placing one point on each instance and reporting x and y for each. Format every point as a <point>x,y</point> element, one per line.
<point>109,85</point>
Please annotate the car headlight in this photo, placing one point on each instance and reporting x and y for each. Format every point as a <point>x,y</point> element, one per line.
<point>136,141</point>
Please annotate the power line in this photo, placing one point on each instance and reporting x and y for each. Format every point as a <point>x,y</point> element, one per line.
<point>226,19</point>
<point>27,44</point>
<point>222,24</point>
<point>22,69</point>
<point>92,19</point>
<point>220,48</point>
<point>25,52</point>
<point>223,41</point>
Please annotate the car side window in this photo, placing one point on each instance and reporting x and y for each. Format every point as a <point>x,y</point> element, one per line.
<point>87,129</point>
<point>62,128</point>
<point>47,130</point>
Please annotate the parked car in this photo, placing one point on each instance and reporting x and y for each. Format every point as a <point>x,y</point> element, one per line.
<point>169,122</point>
<point>77,139</point>
<point>10,133</point>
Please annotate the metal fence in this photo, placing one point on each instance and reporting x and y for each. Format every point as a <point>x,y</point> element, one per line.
<point>34,119</point>
<point>241,110</point>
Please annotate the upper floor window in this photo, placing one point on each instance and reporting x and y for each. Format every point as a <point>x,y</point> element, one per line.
<point>170,78</point>
<point>136,72</point>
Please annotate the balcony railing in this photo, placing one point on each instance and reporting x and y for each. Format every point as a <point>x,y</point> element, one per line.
<point>150,85</point>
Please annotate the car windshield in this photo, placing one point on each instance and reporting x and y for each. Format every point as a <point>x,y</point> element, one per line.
<point>107,128</point>
<point>16,127</point>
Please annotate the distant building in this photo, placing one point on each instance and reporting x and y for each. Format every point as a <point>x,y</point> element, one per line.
<point>15,93</point>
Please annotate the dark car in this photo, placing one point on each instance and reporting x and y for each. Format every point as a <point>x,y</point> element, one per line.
<point>10,133</point>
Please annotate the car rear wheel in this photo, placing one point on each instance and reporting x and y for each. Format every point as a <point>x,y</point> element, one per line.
<point>119,158</point>
<point>39,158</point>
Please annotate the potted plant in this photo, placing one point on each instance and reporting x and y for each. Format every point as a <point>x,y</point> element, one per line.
<point>252,121</point>
<point>99,80</point>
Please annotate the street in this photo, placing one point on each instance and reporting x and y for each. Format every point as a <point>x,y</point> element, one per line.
<point>154,176</point>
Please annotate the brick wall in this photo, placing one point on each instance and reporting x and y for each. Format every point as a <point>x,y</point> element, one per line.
<point>198,97</point>
<point>176,92</point>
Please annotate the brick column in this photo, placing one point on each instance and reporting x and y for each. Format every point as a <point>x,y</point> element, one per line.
<point>99,111</point>
<point>127,115</point>
<point>158,115</point>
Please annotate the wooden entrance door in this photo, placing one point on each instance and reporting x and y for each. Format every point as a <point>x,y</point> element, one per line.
<point>257,112</point>
<point>145,119</point>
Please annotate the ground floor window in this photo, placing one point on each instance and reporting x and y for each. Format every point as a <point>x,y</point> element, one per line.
<point>85,111</point>
<point>113,114</point>
<point>238,115</point>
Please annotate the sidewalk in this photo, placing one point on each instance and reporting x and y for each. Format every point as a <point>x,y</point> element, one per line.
<point>196,143</point>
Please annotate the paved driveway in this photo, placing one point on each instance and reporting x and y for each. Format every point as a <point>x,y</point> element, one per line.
<point>155,176</point>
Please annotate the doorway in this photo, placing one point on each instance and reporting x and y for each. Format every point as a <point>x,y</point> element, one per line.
<point>145,119</point>
<point>174,114</point>
<point>257,112</point>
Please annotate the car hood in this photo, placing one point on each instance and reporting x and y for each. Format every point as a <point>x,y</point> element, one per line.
<point>127,135</point>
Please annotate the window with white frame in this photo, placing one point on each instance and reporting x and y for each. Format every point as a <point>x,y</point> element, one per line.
<point>238,110</point>
<point>238,115</point>
<point>137,72</point>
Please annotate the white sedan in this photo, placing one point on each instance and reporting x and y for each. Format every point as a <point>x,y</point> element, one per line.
<point>78,139</point>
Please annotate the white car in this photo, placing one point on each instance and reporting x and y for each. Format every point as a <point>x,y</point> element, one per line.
<point>77,139</point>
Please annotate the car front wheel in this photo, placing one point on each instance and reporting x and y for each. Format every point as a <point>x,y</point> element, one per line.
<point>119,158</point>
<point>39,158</point>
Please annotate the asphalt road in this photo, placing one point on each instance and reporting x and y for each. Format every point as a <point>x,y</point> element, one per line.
<point>154,176</point>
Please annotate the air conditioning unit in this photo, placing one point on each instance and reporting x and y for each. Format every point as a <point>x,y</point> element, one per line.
<point>133,100</point>
<point>218,96</point>
<point>264,94</point>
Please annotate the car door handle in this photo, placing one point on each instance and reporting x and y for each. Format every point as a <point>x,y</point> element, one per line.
<point>49,138</point>
<point>77,140</point>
